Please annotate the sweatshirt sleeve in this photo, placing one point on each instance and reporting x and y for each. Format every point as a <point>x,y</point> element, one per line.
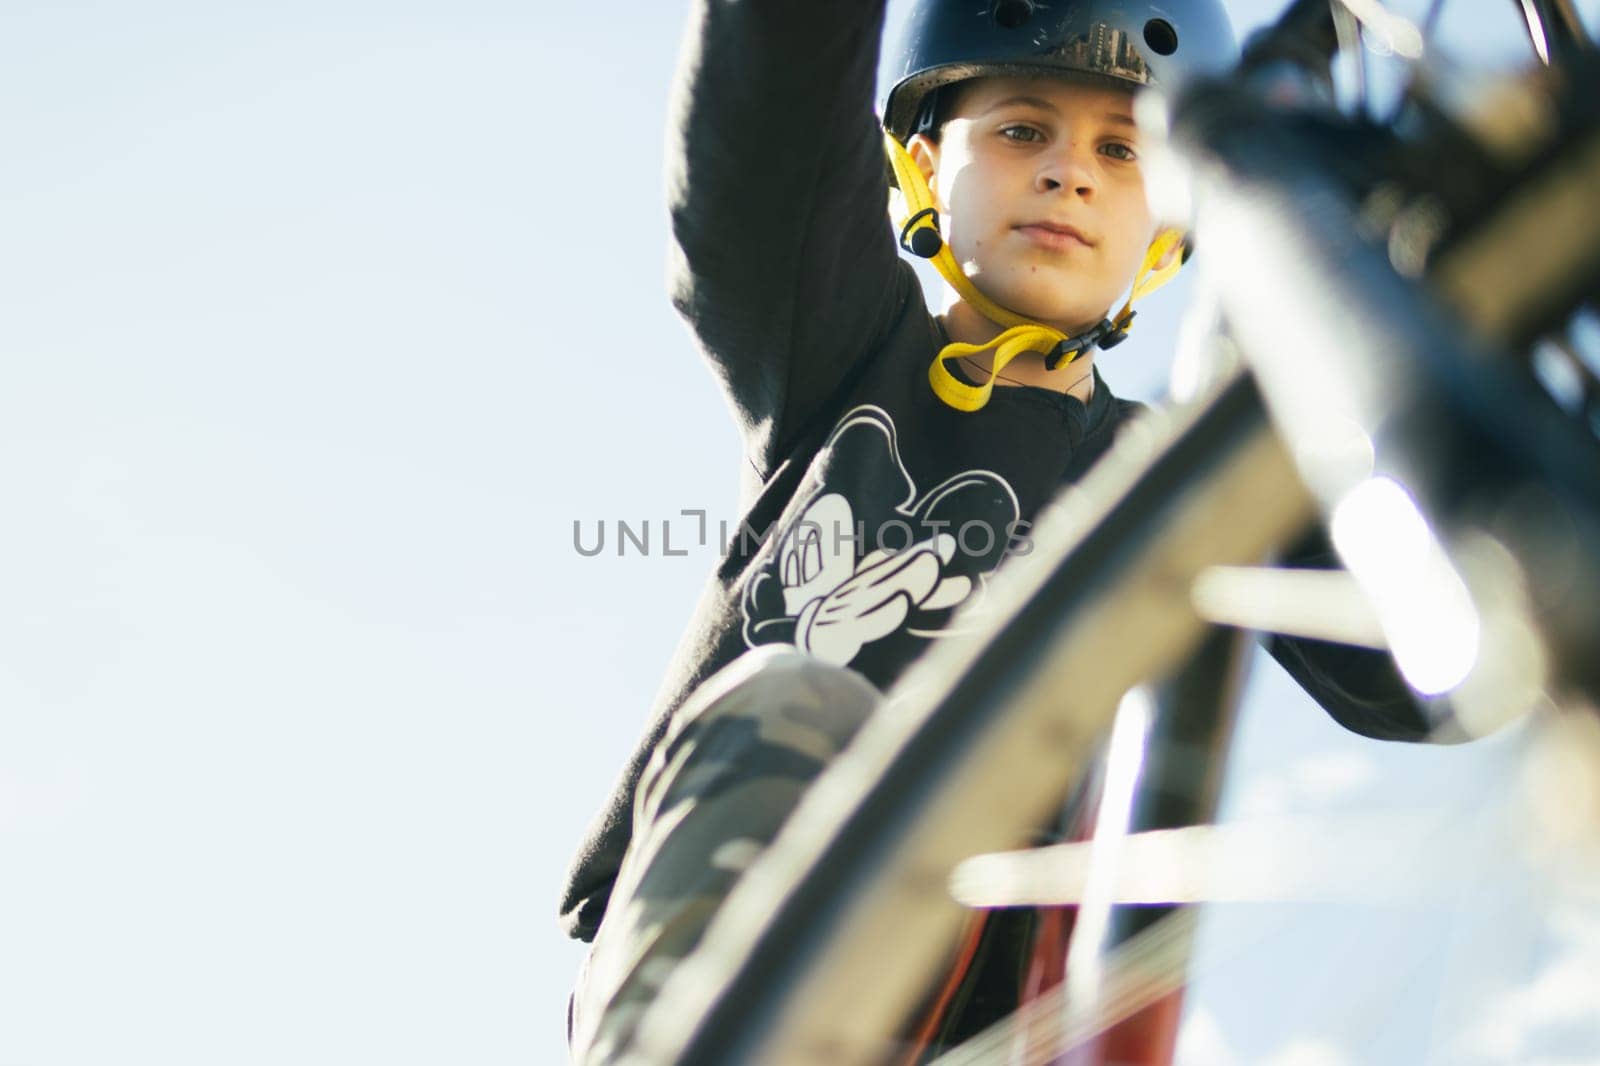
<point>783,256</point>
<point>1360,688</point>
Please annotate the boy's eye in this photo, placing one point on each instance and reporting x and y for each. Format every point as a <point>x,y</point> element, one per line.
<point>1121,151</point>
<point>1026,134</point>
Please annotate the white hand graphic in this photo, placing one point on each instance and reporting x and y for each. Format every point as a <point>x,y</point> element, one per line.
<point>874,601</point>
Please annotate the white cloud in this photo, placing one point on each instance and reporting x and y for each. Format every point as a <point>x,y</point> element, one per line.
<point>1201,1041</point>
<point>1308,1053</point>
<point>1311,783</point>
<point>1263,796</point>
<point>1333,775</point>
<point>1552,1016</point>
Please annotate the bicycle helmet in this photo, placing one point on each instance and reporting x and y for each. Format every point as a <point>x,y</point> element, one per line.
<point>1129,42</point>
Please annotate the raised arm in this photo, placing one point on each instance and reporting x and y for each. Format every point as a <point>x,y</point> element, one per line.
<point>783,260</point>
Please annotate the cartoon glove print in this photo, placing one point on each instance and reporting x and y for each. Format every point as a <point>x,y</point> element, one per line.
<point>819,595</point>
<point>875,600</point>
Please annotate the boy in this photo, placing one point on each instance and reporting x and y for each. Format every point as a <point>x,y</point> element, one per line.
<point>892,458</point>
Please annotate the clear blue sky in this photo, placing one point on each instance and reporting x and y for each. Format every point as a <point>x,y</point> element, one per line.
<point>320,324</point>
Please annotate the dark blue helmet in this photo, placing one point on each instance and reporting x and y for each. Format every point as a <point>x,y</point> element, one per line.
<point>1126,42</point>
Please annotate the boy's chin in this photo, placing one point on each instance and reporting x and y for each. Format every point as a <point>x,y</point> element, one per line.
<point>1046,305</point>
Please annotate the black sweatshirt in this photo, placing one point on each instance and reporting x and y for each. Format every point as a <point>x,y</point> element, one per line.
<point>871,510</point>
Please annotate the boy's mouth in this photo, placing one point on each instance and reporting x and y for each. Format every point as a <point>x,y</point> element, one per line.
<point>1054,235</point>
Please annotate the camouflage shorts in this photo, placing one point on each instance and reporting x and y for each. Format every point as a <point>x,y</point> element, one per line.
<point>736,758</point>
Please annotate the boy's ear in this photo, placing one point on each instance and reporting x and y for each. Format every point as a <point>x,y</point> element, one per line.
<point>925,154</point>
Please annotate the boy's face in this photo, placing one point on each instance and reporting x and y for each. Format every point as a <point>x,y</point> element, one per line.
<point>1038,183</point>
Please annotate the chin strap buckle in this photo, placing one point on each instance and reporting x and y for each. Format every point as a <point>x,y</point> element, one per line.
<point>1103,335</point>
<point>1116,333</point>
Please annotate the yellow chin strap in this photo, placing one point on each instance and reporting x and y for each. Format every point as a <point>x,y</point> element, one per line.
<point>919,235</point>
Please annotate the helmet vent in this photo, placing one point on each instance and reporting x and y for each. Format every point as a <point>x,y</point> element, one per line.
<point>1161,37</point>
<point>1011,13</point>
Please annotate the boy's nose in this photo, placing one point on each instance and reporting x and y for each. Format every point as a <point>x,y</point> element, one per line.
<point>1066,169</point>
